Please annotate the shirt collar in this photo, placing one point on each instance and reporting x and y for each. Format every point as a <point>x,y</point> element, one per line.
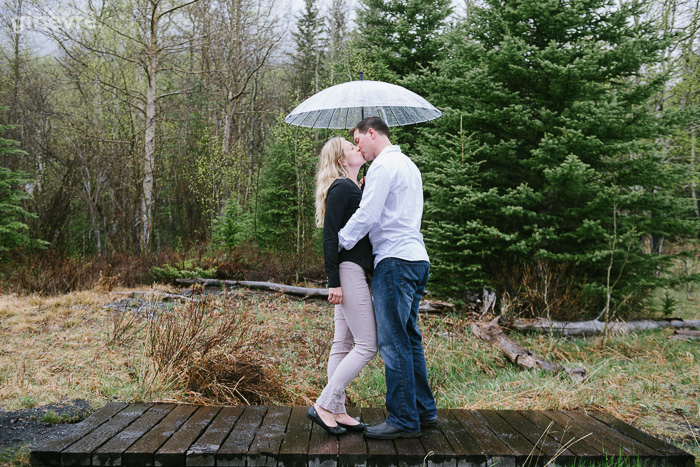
<point>392,148</point>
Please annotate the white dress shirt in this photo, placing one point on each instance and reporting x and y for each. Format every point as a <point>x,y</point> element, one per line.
<point>390,210</point>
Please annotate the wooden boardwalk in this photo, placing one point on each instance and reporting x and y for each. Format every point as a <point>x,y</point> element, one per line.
<point>190,435</point>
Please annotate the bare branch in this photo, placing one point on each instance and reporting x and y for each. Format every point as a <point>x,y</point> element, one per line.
<point>178,7</point>
<point>174,93</point>
<point>252,73</point>
<point>96,77</point>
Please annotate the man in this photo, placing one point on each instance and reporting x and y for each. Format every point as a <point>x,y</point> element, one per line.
<point>391,211</point>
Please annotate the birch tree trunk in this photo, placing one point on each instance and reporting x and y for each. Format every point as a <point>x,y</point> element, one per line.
<point>694,165</point>
<point>150,133</point>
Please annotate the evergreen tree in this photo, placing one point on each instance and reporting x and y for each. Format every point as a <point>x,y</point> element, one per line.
<point>285,206</point>
<point>13,229</point>
<point>400,36</point>
<point>563,163</point>
<point>308,56</point>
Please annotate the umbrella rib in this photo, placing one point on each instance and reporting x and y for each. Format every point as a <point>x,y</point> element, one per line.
<point>318,115</point>
<point>331,118</point>
<point>391,109</point>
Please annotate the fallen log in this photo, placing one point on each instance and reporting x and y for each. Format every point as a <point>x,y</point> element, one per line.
<point>156,295</point>
<point>435,306</point>
<point>426,306</point>
<point>305,292</point>
<point>595,327</point>
<point>492,333</point>
<point>686,335</point>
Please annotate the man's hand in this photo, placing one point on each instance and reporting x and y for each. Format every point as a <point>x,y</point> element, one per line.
<point>335,295</point>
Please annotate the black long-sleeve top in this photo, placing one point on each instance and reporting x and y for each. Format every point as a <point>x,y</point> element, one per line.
<point>342,201</point>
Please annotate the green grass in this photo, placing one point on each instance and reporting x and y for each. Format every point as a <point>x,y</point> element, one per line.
<point>15,456</point>
<point>55,419</point>
<point>27,402</point>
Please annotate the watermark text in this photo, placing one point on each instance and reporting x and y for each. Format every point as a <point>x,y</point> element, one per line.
<point>51,23</point>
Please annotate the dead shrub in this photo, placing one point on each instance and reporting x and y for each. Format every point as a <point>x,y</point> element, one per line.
<point>53,273</point>
<point>124,327</point>
<point>224,378</point>
<point>284,266</point>
<point>209,349</point>
<point>543,289</point>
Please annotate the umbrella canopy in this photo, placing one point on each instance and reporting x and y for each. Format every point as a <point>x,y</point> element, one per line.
<point>343,105</point>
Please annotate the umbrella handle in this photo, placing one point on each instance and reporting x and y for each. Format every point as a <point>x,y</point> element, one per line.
<point>362,109</point>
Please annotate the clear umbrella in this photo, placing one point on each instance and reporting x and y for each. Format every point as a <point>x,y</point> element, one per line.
<point>343,105</point>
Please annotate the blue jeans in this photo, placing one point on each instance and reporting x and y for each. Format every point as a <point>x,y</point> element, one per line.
<point>397,287</point>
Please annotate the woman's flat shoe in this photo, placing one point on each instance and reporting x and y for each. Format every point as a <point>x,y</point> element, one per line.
<point>359,427</point>
<point>334,430</point>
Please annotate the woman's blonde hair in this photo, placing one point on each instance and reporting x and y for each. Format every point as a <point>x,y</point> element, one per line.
<point>329,170</point>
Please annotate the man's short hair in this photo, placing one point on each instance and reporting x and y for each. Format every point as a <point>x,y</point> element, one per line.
<point>375,123</point>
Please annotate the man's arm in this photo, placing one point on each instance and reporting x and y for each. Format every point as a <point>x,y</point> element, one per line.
<point>377,186</point>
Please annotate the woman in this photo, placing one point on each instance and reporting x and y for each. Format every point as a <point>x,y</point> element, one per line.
<point>337,198</point>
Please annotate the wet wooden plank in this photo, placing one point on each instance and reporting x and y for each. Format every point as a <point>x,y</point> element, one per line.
<point>143,452</point>
<point>674,456</point>
<point>234,450</point>
<point>49,453</point>
<point>622,443</point>
<point>323,448</point>
<point>80,452</point>
<point>409,451</point>
<point>379,452</point>
<point>282,436</point>
<point>111,452</point>
<point>295,445</point>
<point>352,450</point>
<point>203,452</point>
<point>174,451</point>
<point>266,444</point>
<point>523,450</point>
<point>449,448</point>
<point>605,446</point>
<point>495,451</point>
<point>563,436</point>
<point>544,445</point>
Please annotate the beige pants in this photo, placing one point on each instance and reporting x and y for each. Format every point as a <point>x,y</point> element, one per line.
<point>354,323</point>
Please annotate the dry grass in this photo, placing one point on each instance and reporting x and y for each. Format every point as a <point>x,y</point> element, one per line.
<point>56,348</point>
<point>69,347</point>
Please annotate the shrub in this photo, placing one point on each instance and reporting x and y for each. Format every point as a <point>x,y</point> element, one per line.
<point>234,226</point>
<point>184,270</point>
<point>208,349</point>
<point>54,273</point>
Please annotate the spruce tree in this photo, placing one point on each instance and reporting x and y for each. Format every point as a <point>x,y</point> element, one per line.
<point>563,162</point>
<point>308,56</point>
<point>401,36</point>
<point>14,231</point>
<point>285,206</point>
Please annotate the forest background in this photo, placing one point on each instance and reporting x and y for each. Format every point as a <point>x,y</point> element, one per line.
<point>148,144</point>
